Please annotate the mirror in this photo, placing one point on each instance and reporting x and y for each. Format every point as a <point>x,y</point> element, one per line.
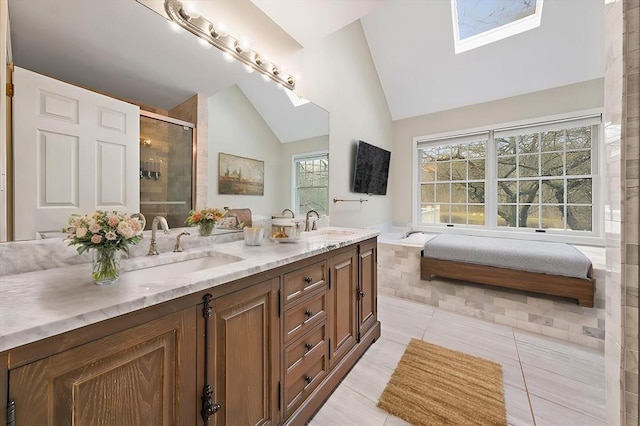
<point>123,49</point>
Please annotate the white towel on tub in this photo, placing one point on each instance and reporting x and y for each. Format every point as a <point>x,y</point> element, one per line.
<point>523,255</point>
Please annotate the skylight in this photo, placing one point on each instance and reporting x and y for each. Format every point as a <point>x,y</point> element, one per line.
<point>480,22</point>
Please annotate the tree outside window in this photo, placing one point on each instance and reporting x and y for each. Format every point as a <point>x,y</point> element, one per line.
<point>312,183</point>
<point>539,177</point>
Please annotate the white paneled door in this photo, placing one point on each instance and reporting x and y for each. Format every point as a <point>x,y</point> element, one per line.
<point>75,151</point>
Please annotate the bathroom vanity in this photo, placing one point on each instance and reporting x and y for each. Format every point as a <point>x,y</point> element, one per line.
<point>263,336</point>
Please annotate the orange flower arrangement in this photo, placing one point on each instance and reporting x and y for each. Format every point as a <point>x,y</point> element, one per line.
<point>205,216</point>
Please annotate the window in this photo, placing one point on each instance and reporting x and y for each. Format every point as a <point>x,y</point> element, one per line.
<point>311,182</point>
<point>536,178</point>
<point>480,22</point>
<point>452,182</point>
<point>545,179</point>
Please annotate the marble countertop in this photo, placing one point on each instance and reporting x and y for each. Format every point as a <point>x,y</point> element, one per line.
<point>40,304</point>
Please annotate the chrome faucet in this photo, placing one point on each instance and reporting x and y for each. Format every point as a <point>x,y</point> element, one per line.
<point>178,248</point>
<point>293,215</point>
<point>314,227</point>
<point>154,227</point>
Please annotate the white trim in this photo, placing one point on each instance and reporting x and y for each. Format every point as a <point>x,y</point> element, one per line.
<point>590,120</point>
<point>310,154</point>
<point>504,31</point>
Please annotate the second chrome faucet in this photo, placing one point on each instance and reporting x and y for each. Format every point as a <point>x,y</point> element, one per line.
<point>314,226</point>
<point>154,228</point>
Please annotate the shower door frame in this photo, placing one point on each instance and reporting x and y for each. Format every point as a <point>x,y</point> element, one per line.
<point>194,146</point>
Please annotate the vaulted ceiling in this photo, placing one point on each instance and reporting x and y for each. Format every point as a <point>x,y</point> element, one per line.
<point>412,46</point>
<point>117,46</point>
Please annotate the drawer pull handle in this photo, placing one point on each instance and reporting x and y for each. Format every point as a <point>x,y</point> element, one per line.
<point>309,346</point>
<point>308,280</point>
<point>308,313</point>
<point>308,379</point>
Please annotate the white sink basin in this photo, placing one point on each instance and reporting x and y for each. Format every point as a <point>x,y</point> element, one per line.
<point>327,235</point>
<point>177,269</point>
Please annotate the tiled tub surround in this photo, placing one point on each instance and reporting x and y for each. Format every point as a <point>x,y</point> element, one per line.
<point>399,275</point>
<point>46,302</point>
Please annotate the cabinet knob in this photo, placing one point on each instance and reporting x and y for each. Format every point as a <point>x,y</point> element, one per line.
<point>309,346</point>
<point>308,379</point>
<point>308,280</point>
<point>361,294</point>
<point>308,313</point>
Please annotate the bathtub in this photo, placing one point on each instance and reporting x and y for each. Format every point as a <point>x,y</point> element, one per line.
<point>399,275</point>
<point>398,238</point>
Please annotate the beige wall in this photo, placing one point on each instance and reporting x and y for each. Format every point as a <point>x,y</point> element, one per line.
<point>235,127</point>
<point>339,75</point>
<point>575,97</point>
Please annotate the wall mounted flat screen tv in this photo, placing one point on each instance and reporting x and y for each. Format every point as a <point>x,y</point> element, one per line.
<point>371,170</point>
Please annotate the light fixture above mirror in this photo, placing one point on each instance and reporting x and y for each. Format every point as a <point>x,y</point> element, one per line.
<point>206,30</point>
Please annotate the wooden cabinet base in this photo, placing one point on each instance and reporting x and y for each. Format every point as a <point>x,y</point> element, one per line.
<point>267,349</point>
<point>313,403</point>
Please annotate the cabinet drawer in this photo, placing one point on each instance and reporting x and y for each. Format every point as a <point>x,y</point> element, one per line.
<point>303,317</point>
<point>299,283</point>
<point>305,375</point>
<point>312,342</point>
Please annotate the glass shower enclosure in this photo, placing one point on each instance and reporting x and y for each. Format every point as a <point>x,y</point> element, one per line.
<point>167,158</point>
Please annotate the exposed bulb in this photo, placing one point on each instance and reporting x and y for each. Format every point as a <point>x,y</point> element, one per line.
<point>227,57</point>
<point>248,69</point>
<point>265,77</point>
<point>175,27</point>
<point>191,9</point>
<point>214,33</point>
<point>204,43</point>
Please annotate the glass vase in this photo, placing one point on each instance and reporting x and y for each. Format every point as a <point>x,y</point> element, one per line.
<point>105,265</point>
<point>205,228</point>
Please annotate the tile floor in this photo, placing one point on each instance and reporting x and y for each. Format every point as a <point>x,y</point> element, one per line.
<point>547,381</point>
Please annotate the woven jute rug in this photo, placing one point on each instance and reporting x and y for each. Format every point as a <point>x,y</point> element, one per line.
<point>433,385</point>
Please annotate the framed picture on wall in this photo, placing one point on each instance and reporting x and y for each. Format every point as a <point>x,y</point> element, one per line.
<point>240,175</point>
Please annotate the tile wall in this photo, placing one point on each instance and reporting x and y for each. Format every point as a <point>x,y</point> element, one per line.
<point>631,216</point>
<point>621,119</point>
<point>613,209</point>
<point>196,110</point>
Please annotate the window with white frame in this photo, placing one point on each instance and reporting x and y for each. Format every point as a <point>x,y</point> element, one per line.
<point>311,182</point>
<point>477,23</point>
<point>534,178</point>
<point>452,181</point>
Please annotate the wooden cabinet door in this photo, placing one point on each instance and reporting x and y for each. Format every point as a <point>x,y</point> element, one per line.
<point>244,362</point>
<point>343,270</point>
<point>143,375</point>
<point>367,295</point>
